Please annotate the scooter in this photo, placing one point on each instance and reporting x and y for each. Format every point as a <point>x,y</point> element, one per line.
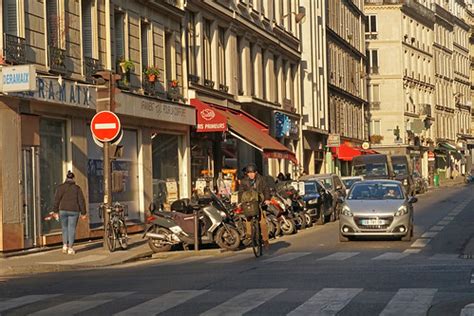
<point>168,229</point>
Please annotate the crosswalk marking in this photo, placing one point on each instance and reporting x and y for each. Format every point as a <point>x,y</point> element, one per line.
<point>162,303</point>
<point>410,302</point>
<point>244,302</point>
<point>339,256</point>
<point>23,300</point>
<point>420,243</point>
<point>468,310</point>
<point>326,302</point>
<point>287,257</point>
<point>412,251</point>
<point>232,259</point>
<point>444,256</point>
<point>85,303</point>
<point>429,234</point>
<point>437,228</point>
<point>444,222</point>
<point>448,218</point>
<point>391,256</point>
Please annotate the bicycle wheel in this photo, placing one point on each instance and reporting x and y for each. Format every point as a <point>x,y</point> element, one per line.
<point>256,238</point>
<point>110,236</point>
<point>122,234</point>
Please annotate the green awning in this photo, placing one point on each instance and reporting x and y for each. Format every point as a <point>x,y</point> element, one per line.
<point>448,147</point>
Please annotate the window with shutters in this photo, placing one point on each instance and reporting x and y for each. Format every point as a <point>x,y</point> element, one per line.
<point>221,56</point>
<point>169,57</point>
<point>53,22</point>
<point>10,12</point>
<point>119,36</point>
<point>207,49</point>
<point>147,50</point>
<point>89,29</point>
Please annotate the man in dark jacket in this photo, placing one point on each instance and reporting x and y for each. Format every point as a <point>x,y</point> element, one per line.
<point>254,181</point>
<point>69,201</point>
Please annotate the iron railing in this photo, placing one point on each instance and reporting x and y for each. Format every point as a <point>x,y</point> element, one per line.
<point>14,49</point>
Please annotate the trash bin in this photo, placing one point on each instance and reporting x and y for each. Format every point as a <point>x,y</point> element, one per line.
<point>436,180</point>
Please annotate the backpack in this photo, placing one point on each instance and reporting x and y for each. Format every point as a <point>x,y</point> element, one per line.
<point>250,203</point>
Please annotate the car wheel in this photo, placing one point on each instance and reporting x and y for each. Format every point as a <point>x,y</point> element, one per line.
<point>343,238</point>
<point>321,218</point>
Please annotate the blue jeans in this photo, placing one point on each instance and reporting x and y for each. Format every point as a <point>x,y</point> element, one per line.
<point>68,224</point>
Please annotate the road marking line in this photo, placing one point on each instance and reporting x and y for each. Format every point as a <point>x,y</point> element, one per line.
<point>468,310</point>
<point>326,302</point>
<point>244,302</point>
<point>437,228</point>
<point>339,256</point>
<point>410,302</point>
<point>231,259</point>
<point>448,218</point>
<point>185,260</point>
<point>420,243</point>
<point>105,125</point>
<point>162,303</point>
<point>444,256</point>
<point>287,257</point>
<point>443,222</point>
<point>412,251</point>
<point>429,234</point>
<point>23,300</point>
<point>78,306</point>
<point>391,256</point>
<point>85,259</point>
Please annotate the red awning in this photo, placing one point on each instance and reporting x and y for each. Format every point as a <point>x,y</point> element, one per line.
<point>345,152</point>
<point>207,119</point>
<point>244,127</point>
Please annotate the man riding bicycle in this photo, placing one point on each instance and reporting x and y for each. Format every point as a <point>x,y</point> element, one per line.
<point>255,182</point>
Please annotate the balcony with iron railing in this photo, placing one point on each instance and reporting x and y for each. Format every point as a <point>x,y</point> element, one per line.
<point>57,60</point>
<point>14,49</point>
<point>91,66</point>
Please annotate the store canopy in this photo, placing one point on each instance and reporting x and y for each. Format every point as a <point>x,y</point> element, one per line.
<point>246,128</point>
<point>345,152</point>
<point>207,119</point>
<point>447,147</point>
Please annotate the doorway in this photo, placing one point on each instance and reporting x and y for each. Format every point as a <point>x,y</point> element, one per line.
<point>30,195</point>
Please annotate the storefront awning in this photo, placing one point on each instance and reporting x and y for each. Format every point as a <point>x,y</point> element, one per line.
<point>448,148</point>
<point>345,152</point>
<point>242,126</point>
<point>207,118</point>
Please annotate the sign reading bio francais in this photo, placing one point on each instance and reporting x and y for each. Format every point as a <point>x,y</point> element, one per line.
<point>18,78</point>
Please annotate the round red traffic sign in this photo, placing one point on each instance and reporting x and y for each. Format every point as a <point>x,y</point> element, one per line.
<point>105,126</point>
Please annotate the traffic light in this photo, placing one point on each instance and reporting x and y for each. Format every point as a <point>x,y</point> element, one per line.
<point>105,81</point>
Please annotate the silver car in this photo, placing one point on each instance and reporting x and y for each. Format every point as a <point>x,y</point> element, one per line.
<point>377,208</point>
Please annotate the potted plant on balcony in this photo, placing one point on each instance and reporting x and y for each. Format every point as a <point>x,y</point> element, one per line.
<point>152,73</point>
<point>174,93</point>
<point>126,66</point>
<point>376,139</point>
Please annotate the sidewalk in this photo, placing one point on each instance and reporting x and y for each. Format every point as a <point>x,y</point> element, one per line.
<point>88,255</point>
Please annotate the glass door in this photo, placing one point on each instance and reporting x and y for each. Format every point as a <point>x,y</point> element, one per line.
<point>30,196</point>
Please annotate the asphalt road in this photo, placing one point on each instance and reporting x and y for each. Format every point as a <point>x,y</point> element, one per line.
<point>310,273</point>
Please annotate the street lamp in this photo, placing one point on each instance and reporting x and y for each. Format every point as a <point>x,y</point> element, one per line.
<point>300,17</point>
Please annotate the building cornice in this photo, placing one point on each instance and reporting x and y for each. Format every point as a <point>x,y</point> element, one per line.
<point>347,94</point>
<point>333,35</point>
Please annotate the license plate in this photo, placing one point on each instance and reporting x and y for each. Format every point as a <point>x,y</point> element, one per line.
<point>372,222</point>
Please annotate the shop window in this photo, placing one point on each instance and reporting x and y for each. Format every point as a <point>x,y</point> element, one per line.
<point>52,160</point>
<point>127,165</point>
<point>165,161</point>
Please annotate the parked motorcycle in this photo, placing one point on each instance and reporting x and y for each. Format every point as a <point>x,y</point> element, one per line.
<point>168,229</point>
<point>280,210</point>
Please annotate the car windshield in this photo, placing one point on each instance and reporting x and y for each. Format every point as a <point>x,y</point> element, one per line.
<point>376,191</point>
<point>400,169</point>
<point>310,187</point>
<point>371,169</point>
<point>327,182</point>
<point>349,182</point>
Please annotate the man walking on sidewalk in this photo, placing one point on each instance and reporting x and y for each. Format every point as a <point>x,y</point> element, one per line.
<point>69,200</point>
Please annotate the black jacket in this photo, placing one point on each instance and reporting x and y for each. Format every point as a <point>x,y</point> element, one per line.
<point>259,185</point>
<point>69,197</point>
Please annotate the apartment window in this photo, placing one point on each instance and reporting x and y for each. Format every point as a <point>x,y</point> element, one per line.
<point>282,11</point>
<point>192,44</point>
<point>239,66</point>
<point>221,55</point>
<point>264,77</point>
<point>276,76</point>
<point>145,43</point>
<point>119,36</point>
<point>169,58</point>
<point>375,127</point>
<point>88,28</point>
<point>373,62</point>
<point>10,17</point>
<point>53,22</point>
<point>207,49</point>
<point>252,76</point>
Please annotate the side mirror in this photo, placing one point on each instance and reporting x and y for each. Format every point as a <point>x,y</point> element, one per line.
<point>412,199</point>
<point>152,207</point>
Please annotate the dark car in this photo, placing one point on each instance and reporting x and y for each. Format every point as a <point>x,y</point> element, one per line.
<point>402,172</point>
<point>333,184</point>
<point>318,201</point>
<point>372,167</point>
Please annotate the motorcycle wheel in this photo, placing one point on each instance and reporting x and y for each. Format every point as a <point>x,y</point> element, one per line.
<point>277,225</point>
<point>271,228</point>
<point>228,238</point>
<point>300,221</point>
<point>157,245</point>
<point>288,226</point>
<point>309,220</point>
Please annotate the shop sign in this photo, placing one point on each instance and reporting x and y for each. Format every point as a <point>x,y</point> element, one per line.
<point>209,120</point>
<point>365,145</point>
<point>431,156</point>
<point>67,93</point>
<point>334,140</point>
<point>18,78</point>
<point>285,126</point>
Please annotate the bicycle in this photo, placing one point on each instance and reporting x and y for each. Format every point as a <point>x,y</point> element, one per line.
<point>256,236</point>
<point>116,229</point>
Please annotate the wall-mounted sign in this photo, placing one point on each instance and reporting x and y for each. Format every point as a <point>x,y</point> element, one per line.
<point>334,140</point>
<point>18,78</point>
<point>365,145</point>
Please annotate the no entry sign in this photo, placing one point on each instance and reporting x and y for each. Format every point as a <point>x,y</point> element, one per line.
<point>105,126</point>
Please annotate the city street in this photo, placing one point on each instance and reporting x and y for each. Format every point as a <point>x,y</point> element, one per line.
<point>308,273</point>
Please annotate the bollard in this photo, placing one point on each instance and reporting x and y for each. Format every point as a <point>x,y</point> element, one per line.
<point>196,231</point>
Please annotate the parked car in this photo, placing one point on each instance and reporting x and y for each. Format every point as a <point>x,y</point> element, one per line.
<point>377,208</point>
<point>402,172</point>
<point>318,201</point>
<point>349,181</point>
<point>421,184</point>
<point>333,184</point>
<point>375,166</point>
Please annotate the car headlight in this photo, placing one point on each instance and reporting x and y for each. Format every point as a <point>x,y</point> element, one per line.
<point>405,182</point>
<point>401,211</point>
<point>346,211</point>
<point>313,201</point>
